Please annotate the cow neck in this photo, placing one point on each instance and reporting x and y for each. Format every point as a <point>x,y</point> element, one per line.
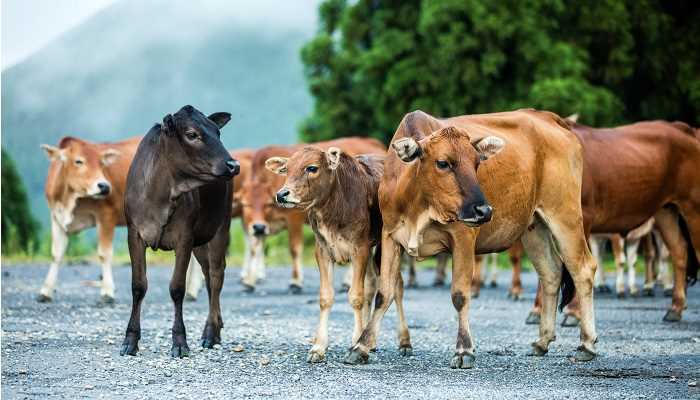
<point>62,201</point>
<point>346,194</point>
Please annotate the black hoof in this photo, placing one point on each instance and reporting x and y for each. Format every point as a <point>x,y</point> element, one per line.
<point>295,289</point>
<point>208,343</point>
<point>668,292</point>
<point>248,288</point>
<point>532,319</point>
<point>603,289</point>
<point>179,351</point>
<point>190,298</point>
<point>570,321</point>
<point>621,295</point>
<point>356,357</point>
<point>635,295</point>
<point>210,336</point>
<point>475,295</point>
<point>647,292</point>
<point>537,351</point>
<point>672,316</point>
<point>130,347</point>
<point>493,284</point>
<point>514,296</point>
<point>406,350</point>
<point>344,288</point>
<point>42,298</point>
<point>583,354</point>
<point>462,361</point>
<point>106,300</point>
<point>411,285</point>
<point>438,283</point>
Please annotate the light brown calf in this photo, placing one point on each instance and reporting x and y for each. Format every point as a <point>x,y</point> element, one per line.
<point>261,217</point>
<point>444,179</point>
<point>339,193</point>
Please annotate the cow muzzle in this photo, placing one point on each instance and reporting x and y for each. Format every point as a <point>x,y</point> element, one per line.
<point>259,229</point>
<point>475,214</point>
<point>286,199</point>
<point>100,189</point>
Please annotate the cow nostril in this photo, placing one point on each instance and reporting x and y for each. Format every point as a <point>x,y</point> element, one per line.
<point>233,166</point>
<point>281,195</point>
<point>483,211</point>
<point>259,229</point>
<point>103,187</point>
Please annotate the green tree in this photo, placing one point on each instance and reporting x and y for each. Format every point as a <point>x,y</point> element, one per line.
<point>610,61</point>
<point>20,230</point>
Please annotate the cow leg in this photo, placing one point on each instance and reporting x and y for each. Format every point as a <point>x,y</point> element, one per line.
<point>440,270</point>
<point>139,286</point>
<point>356,294</point>
<point>539,245</point>
<point>649,265</point>
<point>59,244</point>
<point>296,244</point>
<point>617,243</point>
<point>194,280</point>
<point>463,267</point>
<point>371,278</point>
<point>493,270</point>
<point>326,298</point>
<point>631,254</point>
<point>534,317</point>
<point>390,268</point>
<point>476,281</point>
<point>599,278</point>
<point>183,252</point>
<point>412,281</point>
<point>665,275</point>
<point>211,335</point>
<point>405,348</point>
<point>247,258</point>
<point>571,242</point>
<point>347,280</point>
<point>667,223</point>
<point>255,263</point>
<point>105,236</point>
<point>516,259</point>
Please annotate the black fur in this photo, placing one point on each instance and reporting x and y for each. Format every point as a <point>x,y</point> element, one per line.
<point>568,290</point>
<point>693,264</point>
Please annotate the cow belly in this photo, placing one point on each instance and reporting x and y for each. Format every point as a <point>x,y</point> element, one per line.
<point>432,241</point>
<point>336,246</point>
<point>81,222</point>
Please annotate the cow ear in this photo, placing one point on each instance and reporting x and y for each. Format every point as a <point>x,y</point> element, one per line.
<point>109,156</point>
<point>333,157</point>
<point>54,153</point>
<point>220,118</point>
<point>488,146</point>
<point>277,165</point>
<point>168,125</point>
<point>407,149</point>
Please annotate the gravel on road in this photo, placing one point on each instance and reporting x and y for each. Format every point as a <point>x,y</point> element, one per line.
<point>70,348</point>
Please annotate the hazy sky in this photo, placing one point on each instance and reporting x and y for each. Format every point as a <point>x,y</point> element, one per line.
<point>28,25</point>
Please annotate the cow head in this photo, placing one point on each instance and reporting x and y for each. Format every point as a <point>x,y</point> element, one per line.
<point>309,175</point>
<point>447,162</point>
<point>257,200</point>
<point>192,142</point>
<point>82,167</point>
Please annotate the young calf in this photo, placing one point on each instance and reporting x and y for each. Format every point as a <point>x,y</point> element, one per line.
<point>340,194</point>
<point>178,197</point>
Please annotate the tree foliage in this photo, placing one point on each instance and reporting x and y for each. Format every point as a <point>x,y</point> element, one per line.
<point>610,61</point>
<point>20,231</point>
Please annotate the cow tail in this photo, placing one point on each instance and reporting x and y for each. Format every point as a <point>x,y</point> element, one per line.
<point>568,290</point>
<point>693,265</point>
<point>378,257</point>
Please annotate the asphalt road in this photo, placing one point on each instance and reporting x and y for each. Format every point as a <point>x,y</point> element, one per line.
<point>70,348</point>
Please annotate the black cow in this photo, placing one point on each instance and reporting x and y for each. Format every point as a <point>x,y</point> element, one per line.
<point>178,197</point>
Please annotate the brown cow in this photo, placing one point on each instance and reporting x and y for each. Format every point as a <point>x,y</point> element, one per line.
<point>339,192</point>
<point>444,179</point>
<point>261,217</point>
<point>85,188</point>
<point>643,170</point>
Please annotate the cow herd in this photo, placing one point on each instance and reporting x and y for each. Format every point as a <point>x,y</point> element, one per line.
<point>525,181</point>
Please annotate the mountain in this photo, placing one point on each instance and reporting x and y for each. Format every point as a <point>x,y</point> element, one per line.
<point>123,69</point>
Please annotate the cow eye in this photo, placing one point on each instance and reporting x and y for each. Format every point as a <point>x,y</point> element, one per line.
<point>311,169</point>
<point>442,164</point>
<point>79,162</point>
<point>191,135</point>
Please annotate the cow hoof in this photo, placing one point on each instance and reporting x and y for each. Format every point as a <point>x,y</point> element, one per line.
<point>344,288</point>
<point>462,361</point>
<point>475,295</point>
<point>635,294</point>
<point>648,292</point>
<point>583,354</point>
<point>537,351</point>
<point>411,285</point>
<point>190,298</point>
<point>532,319</point>
<point>356,357</point>
<point>247,288</point>
<point>106,300</point>
<point>668,292</point>
<point>315,357</point>
<point>295,289</point>
<point>208,343</point>
<point>438,283</point>
<point>42,298</point>
<point>604,289</point>
<point>621,295</point>
<point>514,296</point>
<point>672,316</point>
<point>129,347</point>
<point>570,321</point>
<point>405,351</point>
<point>179,351</point>
<point>493,284</point>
